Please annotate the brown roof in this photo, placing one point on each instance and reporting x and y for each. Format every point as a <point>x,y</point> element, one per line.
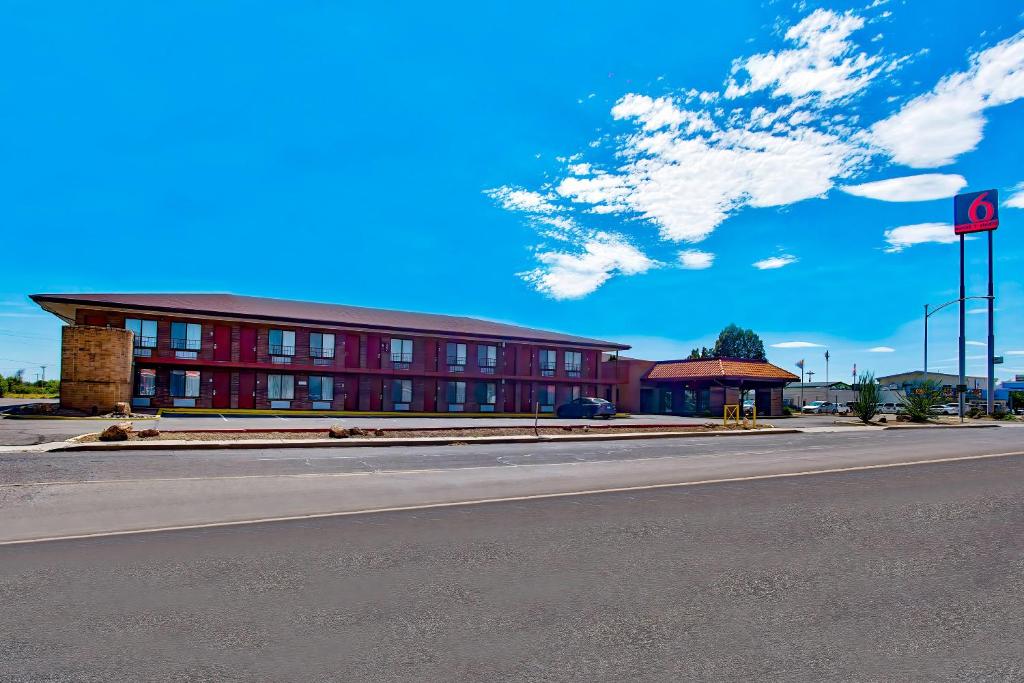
<point>283,310</point>
<point>719,368</point>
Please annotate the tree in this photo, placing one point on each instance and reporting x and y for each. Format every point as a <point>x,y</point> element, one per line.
<point>735,342</point>
<point>868,396</point>
<point>704,352</point>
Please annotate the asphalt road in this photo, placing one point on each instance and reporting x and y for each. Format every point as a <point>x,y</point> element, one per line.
<point>14,432</point>
<point>909,573</point>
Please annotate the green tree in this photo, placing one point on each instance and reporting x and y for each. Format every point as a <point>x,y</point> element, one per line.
<point>868,396</point>
<point>920,399</point>
<point>735,342</point>
<point>703,352</point>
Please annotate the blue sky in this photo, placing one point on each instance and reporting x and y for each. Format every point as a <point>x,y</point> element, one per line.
<point>610,170</point>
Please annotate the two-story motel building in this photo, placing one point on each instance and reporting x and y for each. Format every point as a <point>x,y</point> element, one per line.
<point>239,352</point>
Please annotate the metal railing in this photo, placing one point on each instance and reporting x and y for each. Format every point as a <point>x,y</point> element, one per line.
<point>572,370</point>
<point>186,344</point>
<point>399,357</point>
<point>145,342</point>
<point>327,352</point>
<point>277,350</point>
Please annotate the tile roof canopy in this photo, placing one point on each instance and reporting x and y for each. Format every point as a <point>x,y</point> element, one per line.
<point>303,312</point>
<point>719,368</point>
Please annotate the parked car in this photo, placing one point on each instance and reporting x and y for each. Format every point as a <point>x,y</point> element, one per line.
<point>841,409</point>
<point>947,409</point>
<point>814,407</point>
<point>587,407</point>
<point>748,407</point>
<point>890,407</point>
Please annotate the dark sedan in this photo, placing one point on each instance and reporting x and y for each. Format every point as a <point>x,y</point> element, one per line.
<point>587,407</point>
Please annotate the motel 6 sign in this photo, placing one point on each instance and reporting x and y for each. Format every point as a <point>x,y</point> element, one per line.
<point>976,212</point>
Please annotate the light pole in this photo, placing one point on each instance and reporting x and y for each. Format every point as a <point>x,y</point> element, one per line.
<point>828,389</point>
<point>929,312</point>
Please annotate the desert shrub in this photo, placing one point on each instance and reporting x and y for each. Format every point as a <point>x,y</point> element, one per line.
<point>866,405</point>
<point>920,400</point>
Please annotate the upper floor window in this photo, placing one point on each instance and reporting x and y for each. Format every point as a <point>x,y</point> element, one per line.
<point>321,344</point>
<point>548,362</point>
<point>321,388</point>
<point>456,357</point>
<point>186,336</point>
<point>401,352</point>
<point>144,331</point>
<point>184,383</point>
<point>573,363</point>
<point>282,343</point>
<point>487,358</point>
<point>280,387</point>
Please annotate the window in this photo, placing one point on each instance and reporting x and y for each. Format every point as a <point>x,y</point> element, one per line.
<point>186,336</point>
<point>280,387</point>
<point>321,388</point>
<point>144,330</point>
<point>145,382</point>
<point>282,343</point>
<point>548,362</point>
<point>184,383</point>
<point>456,357</point>
<point>401,393</point>
<point>486,393</point>
<point>321,345</point>
<point>546,397</point>
<point>575,393</point>
<point>456,395</point>
<point>573,363</point>
<point>487,358</point>
<point>401,353</point>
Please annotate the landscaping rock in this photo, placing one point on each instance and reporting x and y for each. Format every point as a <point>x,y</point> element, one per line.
<point>336,432</point>
<point>149,433</point>
<point>883,420</point>
<point>356,431</point>
<point>378,432</point>
<point>117,432</point>
<point>122,409</point>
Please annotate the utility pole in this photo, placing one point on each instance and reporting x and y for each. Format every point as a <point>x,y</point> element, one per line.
<point>828,389</point>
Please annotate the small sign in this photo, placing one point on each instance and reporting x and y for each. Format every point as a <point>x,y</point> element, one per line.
<point>1018,378</point>
<point>976,212</point>
<point>961,388</point>
<point>997,360</point>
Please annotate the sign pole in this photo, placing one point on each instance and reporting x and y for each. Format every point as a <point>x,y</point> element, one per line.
<point>962,347</point>
<point>991,332</point>
<point>926,342</point>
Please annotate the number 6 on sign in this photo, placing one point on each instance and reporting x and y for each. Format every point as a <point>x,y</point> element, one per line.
<point>976,212</point>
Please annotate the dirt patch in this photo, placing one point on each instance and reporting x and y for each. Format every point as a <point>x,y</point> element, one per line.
<point>454,433</point>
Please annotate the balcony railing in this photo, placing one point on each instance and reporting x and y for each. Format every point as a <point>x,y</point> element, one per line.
<point>145,342</point>
<point>277,350</point>
<point>547,369</point>
<point>314,352</point>
<point>186,344</point>
<point>399,357</point>
<point>572,370</point>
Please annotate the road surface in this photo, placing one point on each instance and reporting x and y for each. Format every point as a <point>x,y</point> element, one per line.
<point>906,573</point>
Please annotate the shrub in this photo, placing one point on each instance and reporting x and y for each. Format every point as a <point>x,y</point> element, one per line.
<point>866,405</point>
<point>786,410</point>
<point>920,400</point>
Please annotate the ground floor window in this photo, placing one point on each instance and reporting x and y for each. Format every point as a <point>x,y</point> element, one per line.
<point>184,383</point>
<point>575,393</point>
<point>321,388</point>
<point>456,396</point>
<point>546,397</point>
<point>145,382</point>
<point>281,387</point>
<point>401,393</point>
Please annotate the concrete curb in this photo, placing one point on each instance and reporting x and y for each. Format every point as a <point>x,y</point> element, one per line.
<point>920,426</point>
<point>380,443</point>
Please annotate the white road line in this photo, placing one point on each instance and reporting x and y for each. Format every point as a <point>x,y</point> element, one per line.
<point>485,501</point>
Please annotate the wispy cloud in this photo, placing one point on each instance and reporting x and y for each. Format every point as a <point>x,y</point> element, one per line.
<point>564,275</point>
<point>881,349</point>
<point>1013,353</point>
<point>694,259</point>
<point>921,233</point>
<point>796,345</point>
<point>974,343</point>
<point>933,129</point>
<point>1016,199</point>
<point>774,262</point>
<point>915,188</point>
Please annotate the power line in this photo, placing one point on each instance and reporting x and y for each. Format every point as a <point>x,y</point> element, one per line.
<point>15,360</point>
<point>7,333</point>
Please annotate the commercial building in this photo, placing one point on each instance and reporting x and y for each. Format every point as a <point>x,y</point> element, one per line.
<point>226,351</point>
<point>704,386</point>
<point>799,394</point>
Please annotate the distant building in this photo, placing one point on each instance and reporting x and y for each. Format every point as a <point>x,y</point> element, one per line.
<point>798,394</point>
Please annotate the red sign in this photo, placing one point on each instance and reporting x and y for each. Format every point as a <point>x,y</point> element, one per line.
<point>976,212</point>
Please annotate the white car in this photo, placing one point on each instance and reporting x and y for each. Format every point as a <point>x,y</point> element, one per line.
<point>825,408</point>
<point>947,409</point>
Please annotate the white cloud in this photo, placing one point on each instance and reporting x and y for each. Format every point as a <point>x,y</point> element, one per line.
<point>979,311</point>
<point>518,199</point>
<point>1016,199</point>
<point>908,235</point>
<point>933,129</point>
<point>694,259</point>
<point>881,349</point>
<point>1013,353</point>
<point>796,345</point>
<point>913,188</point>
<point>974,343</point>
<point>564,275</point>
<point>775,262</point>
<point>823,65</point>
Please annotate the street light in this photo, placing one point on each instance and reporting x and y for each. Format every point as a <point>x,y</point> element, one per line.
<point>928,314</point>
